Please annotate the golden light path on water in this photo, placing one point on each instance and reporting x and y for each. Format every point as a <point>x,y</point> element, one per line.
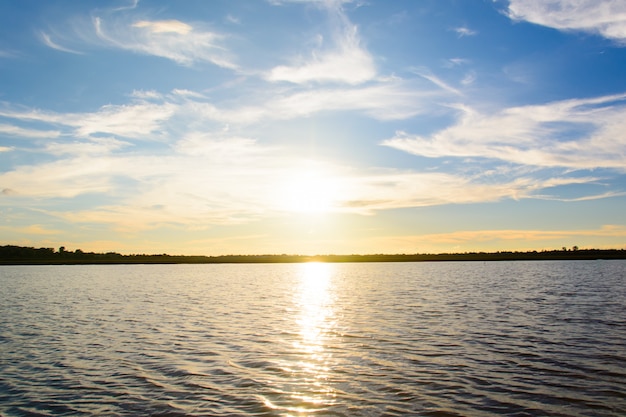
<point>314,318</point>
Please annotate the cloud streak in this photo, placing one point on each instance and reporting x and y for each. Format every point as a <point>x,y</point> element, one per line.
<point>47,40</point>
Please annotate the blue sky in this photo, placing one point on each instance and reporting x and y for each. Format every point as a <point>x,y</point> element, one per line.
<point>313,127</point>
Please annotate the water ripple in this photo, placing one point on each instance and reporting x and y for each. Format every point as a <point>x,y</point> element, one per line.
<point>445,339</point>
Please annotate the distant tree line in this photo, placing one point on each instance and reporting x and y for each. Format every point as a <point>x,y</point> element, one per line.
<point>19,255</point>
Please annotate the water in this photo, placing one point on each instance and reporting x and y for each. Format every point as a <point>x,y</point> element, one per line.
<point>425,339</point>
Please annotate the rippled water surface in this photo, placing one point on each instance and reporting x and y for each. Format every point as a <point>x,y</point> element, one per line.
<point>430,339</point>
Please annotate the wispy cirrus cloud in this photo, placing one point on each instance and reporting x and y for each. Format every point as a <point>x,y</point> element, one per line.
<point>573,134</point>
<point>392,100</point>
<point>426,74</point>
<point>384,101</point>
<point>4,53</point>
<point>94,146</point>
<point>245,180</point>
<point>323,3</point>
<point>454,62</point>
<point>34,229</point>
<point>47,40</point>
<point>150,115</point>
<point>137,120</point>
<point>164,26</point>
<point>489,240</point>
<point>63,178</point>
<point>154,116</point>
<point>463,31</point>
<point>604,17</point>
<point>344,61</point>
<point>181,42</point>
<point>16,131</point>
<point>468,236</point>
<point>391,190</point>
<point>132,5</point>
<point>131,121</point>
<point>241,181</point>
<point>171,39</point>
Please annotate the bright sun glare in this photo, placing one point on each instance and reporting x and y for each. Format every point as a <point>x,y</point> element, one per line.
<point>310,192</point>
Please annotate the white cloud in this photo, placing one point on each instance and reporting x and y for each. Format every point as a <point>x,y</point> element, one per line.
<point>345,61</point>
<point>186,93</point>
<point>604,17</point>
<point>31,115</point>
<point>463,31</point>
<point>390,100</point>
<point>171,39</point>
<point>94,146</point>
<point>17,131</point>
<point>131,121</point>
<point>146,95</point>
<point>217,146</point>
<point>384,101</point>
<point>60,179</point>
<point>390,190</point>
<point>137,120</point>
<point>164,26</point>
<point>541,135</point>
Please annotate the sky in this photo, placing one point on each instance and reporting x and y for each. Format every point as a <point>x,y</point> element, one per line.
<point>212,127</point>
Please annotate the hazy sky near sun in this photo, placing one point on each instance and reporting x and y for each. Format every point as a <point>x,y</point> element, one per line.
<point>312,126</point>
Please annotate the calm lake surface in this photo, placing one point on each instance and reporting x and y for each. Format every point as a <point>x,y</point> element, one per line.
<point>371,339</point>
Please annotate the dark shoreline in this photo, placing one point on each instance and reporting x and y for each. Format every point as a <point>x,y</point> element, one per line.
<point>18,255</point>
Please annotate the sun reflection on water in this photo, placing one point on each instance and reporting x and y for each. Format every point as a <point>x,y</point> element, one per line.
<point>314,301</point>
<point>315,319</point>
<point>306,386</point>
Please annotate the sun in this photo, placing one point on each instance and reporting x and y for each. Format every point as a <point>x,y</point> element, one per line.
<point>310,191</point>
